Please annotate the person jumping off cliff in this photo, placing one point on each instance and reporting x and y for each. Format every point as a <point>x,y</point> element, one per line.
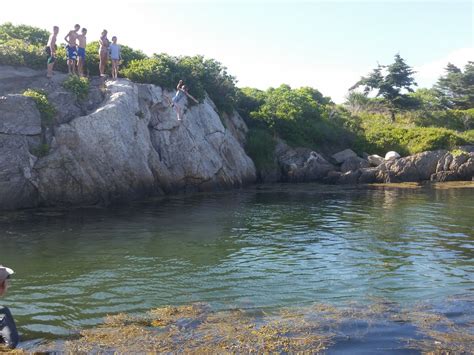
<point>181,92</point>
<point>8,333</point>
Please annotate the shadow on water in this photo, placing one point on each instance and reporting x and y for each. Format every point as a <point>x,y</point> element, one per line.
<point>259,249</point>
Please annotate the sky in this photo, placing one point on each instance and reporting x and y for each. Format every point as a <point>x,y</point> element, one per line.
<point>327,45</point>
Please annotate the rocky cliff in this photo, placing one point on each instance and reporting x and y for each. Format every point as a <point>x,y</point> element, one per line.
<point>122,142</point>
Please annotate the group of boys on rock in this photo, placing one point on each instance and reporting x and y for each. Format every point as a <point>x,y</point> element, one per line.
<point>76,58</point>
<point>76,52</point>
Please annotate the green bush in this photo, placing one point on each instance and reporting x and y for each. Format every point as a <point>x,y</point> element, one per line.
<point>452,119</point>
<point>260,147</point>
<point>46,109</point>
<point>16,52</point>
<point>77,85</point>
<point>31,35</point>
<point>41,150</point>
<point>201,75</point>
<point>302,117</point>
<point>249,100</point>
<point>92,58</point>
<point>468,136</point>
<point>380,139</point>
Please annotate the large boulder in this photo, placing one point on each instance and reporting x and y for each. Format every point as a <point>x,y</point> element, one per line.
<point>466,170</point>
<point>342,156</point>
<point>20,126</point>
<point>350,177</point>
<point>454,167</point>
<point>392,155</point>
<point>368,176</point>
<point>301,164</point>
<point>375,160</point>
<point>427,162</point>
<point>354,163</point>
<point>19,115</point>
<point>444,176</point>
<point>418,167</point>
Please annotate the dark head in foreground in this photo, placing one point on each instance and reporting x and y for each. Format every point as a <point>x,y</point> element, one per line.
<point>8,333</point>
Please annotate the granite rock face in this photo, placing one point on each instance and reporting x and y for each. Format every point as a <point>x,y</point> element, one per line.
<point>128,146</point>
<point>20,128</point>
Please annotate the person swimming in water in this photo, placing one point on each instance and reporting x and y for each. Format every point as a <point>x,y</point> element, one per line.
<point>8,332</point>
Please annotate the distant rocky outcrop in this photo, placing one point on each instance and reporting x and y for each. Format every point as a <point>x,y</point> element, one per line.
<point>436,166</point>
<point>122,142</point>
<point>305,165</point>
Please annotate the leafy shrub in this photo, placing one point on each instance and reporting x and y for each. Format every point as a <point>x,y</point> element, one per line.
<point>382,138</point>
<point>249,100</point>
<point>260,146</point>
<point>201,75</point>
<point>31,35</point>
<point>468,136</point>
<point>453,119</point>
<point>77,85</point>
<point>45,108</point>
<point>303,117</point>
<point>41,150</point>
<point>16,52</point>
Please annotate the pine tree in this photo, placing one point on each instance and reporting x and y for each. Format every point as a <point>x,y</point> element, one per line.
<point>398,77</point>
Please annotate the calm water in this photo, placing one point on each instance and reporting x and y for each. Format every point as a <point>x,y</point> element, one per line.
<point>262,248</point>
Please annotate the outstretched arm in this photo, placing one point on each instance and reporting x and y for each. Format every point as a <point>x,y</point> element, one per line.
<point>191,97</point>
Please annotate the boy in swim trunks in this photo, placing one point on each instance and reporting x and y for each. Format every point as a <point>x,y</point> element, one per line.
<point>51,51</point>
<point>71,49</point>
<point>81,51</point>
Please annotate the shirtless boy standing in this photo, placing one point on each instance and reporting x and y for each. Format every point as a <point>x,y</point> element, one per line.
<point>71,49</point>
<point>81,51</point>
<point>51,51</point>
